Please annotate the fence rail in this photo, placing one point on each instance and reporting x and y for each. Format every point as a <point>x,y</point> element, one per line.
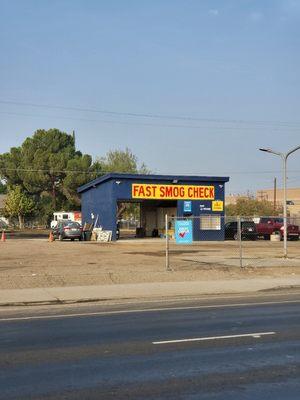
<point>233,241</point>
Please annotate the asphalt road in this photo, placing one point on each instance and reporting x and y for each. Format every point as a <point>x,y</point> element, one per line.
<point>240,348</point>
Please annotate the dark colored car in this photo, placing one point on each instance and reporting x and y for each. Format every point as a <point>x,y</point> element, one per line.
<point>248,230</point>
<point>67,230</point>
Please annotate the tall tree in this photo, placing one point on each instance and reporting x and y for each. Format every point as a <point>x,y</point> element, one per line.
<point>45,158</point>
<point>10,164</point>
<point>80,170</point>
<point>40,166</point>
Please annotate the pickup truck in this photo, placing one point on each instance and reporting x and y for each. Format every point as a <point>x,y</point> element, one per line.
<point>267,225</point>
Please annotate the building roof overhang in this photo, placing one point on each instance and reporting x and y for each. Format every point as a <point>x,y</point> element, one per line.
<point>142,178</point>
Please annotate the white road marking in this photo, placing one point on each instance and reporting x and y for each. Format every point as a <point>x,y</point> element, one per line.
<point>116,312</point>
<point>202,339</point>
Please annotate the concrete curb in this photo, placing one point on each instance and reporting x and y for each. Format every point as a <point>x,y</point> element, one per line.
<point>146,291</point>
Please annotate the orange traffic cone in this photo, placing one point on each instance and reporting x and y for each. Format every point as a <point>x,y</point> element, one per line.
<point>3,237</point>
<point>51,237</point>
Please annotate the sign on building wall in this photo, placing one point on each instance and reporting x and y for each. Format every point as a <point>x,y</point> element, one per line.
<point>184,231</point>
<point>172,192</point>
<point>187,206</point>
<point>217,205</point>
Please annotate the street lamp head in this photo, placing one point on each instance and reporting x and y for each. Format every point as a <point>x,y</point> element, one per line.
<point>271,151</point>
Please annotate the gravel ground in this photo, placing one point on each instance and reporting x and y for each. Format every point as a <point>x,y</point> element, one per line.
<point>27,263</point>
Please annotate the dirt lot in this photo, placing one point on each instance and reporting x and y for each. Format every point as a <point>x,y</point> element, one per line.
<point>26,263</point>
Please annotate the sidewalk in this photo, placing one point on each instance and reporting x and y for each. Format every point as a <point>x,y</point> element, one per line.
<point>73,294</point>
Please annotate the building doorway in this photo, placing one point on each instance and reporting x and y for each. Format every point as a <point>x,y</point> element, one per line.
<point>144,218</point>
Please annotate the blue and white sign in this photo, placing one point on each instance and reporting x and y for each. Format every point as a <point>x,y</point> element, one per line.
<point>184,231</point>
<point>187,206</point>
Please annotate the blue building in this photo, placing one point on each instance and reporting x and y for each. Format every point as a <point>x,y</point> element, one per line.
<point>157,195</point>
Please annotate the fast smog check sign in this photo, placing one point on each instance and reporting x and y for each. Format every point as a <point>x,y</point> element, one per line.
<point>172,192</point>
<point>184,232</point>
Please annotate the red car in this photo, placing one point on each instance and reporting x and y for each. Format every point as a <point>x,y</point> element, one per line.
<point>268,225</point>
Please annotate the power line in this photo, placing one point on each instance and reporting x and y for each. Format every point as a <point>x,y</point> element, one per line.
<point>216,128</point>
<point>116,172</point>
<point>153,116</point>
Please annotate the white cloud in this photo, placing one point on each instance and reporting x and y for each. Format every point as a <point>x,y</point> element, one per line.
<point>213,11</point>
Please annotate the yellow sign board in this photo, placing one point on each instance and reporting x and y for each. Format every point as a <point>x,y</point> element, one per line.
<point>172,192</point>
<point>217,205</point>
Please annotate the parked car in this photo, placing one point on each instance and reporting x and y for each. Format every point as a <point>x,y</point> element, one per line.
<point>268,225</point>
<point>248,230</point>
<point>67,230</point>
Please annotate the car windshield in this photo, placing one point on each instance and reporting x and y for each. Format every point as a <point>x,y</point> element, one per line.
<point>231,224</point>
<point>73,225</point>
<point>248,224</point>
<point>64,223</point>
<point>264,220</point>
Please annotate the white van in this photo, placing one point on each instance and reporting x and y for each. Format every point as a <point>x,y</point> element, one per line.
<point>65,215</point>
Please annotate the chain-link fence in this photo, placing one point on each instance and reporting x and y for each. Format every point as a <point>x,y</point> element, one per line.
<point>218,241</point>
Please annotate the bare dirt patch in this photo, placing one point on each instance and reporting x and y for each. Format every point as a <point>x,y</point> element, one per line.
<point>38,263</point>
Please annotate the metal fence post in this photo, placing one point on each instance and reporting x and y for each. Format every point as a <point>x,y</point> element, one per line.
<point>240,241</point>
<point>167,243</point>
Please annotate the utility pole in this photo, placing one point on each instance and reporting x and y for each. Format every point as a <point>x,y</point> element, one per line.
<point>261,195</point>
<point>73,135</point>
<point>275,188</point>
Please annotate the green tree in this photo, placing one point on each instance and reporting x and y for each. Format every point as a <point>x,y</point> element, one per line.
<point>18,204</point>
<point>40,166</point>
<point>44,158</point>
<point>122,161</point>
<point>80,170</point>
<point>250,207</point>
<point>10,164</point>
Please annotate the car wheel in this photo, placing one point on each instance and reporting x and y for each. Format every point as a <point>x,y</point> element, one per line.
<point>80,239</point>
<point>60,237</point>
<point>72,240</point>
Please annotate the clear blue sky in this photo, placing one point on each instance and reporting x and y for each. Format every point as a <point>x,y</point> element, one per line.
<point>231,65</point>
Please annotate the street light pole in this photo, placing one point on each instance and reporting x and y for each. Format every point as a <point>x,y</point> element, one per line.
<point>284,207</point>
<point>284,157</point>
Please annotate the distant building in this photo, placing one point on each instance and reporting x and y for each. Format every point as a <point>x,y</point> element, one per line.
<point>232,198</point>
<point>293,198</point>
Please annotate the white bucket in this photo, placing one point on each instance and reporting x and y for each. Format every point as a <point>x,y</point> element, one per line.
<point>275,237</point>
